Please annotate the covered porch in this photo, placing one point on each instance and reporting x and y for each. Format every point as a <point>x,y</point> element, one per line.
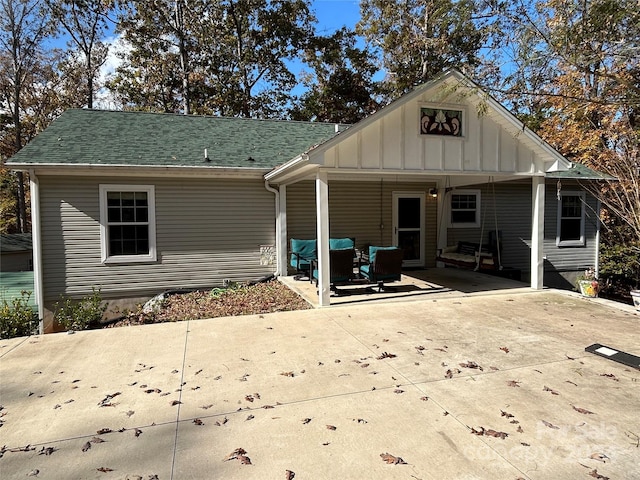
<point>395,164</point>
<point>418,284</point>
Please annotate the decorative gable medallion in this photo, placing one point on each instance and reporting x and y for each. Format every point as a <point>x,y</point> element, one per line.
<point>438,121</point>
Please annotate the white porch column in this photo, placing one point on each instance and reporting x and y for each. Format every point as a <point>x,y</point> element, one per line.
<point>282,246</point>
<point>322,214</point>
<point>443,224</point>
<point>36,235</point>
<point>537,232</point>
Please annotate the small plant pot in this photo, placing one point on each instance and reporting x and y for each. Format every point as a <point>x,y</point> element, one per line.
<point>588,288</point>
<point>635,296</point>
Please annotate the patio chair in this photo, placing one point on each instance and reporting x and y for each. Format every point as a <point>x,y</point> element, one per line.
<point>340,268</point>
<point>385,265</point>
<point>341,243</point>
<point>303,252</point>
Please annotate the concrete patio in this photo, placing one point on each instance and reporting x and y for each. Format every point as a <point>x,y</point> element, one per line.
<point>459,385</point>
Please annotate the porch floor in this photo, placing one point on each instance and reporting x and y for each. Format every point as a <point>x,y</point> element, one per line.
<point>414,285</point>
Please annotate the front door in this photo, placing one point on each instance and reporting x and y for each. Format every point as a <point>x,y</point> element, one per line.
<point>408,226</point>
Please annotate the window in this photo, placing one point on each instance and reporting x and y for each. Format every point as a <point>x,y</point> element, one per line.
<point>465,208</point>
<point>127,223</point>
<point>570,231</point>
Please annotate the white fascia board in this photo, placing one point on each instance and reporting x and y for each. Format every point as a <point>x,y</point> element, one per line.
<point>138,171</point>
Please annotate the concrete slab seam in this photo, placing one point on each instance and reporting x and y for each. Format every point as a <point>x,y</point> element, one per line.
<point>177,422</point>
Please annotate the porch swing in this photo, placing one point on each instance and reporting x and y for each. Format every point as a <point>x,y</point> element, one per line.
<point>475,256</point>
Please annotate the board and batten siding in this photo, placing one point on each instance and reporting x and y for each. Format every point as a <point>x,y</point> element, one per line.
<point>361,210</point>
<point>206,231</point>
<point>393,142</point>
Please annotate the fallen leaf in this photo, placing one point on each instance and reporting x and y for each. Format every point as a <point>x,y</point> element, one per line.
<point>489,433</point>
<point>287,374</point>
<point>175,402</point>
<point>86,446</point>
<point>424,399</point>
<point>250,417</point>
<point>504,349</point>
<point>471,364</point>
<point>397,390</point>
<point>106,401</point>
<point>33,473</point>
<point>331,427</point>
<point>519,429</point>
<point>610,375</point>
<point>233,455</point>
<point>305,421</point>
<point>137,432</point>
<point>207,407</point>
<point>386,355</point>
<point>392,460</point>
<point>582,410</point>
<point>550,425</point>
<point>129,413</point>
<point>219,423</point>
<point>104,469</point>
<point>97,440</point>
<point>197,421</point>
<point>289,475</point>
<point>513,383</point>
<point>238,454</point>
<point>601,457</point>
<point>594,473</point>
<point>553,392</point>
<point>46,451</point>
<point>505,414</point>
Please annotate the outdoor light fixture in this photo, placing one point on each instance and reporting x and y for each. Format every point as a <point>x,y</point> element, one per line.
<point>433,192</point>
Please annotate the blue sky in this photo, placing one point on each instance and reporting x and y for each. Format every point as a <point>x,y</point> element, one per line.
<point>334,14</point>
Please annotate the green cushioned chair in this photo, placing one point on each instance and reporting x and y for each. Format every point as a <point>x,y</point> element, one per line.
<point>303,252</point>
<point>341,243</point>
<point>385,265</point>
<point>340,267</point>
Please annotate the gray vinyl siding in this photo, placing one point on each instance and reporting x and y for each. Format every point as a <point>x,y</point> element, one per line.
<point>362,210</point>
<point>513,207</point>
<point>206,231</point>
<point>507,208</point>
<point>561,263</point>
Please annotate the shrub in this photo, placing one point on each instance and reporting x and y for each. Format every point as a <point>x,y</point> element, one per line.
<point>18,318</point>
<point>620,268</point>
<point>79,315</point>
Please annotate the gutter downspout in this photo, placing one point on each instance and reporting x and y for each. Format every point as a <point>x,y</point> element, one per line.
<point>598,225</point>
<point>36,239</point>
<point>276,192</point>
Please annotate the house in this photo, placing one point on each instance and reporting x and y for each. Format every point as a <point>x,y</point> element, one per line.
<point>16,252</point>
<point>138,203</point>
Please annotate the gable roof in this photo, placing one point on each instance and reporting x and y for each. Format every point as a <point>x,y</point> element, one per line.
<point>124,138</point>
<point>445,87</point>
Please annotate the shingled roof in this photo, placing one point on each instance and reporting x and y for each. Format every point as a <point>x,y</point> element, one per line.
<point>110,138</point>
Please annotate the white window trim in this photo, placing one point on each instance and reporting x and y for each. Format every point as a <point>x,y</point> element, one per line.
<point>477,193</point>
<point>571,243</point>
<point>104,247</point>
